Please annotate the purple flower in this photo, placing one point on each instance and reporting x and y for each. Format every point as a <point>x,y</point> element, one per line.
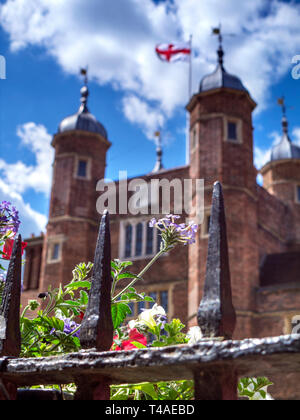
<point>9,218</point>
<point>71,326</point>
<point>173,233</point>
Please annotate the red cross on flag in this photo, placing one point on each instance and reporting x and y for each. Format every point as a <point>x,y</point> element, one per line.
<point>174,52</point>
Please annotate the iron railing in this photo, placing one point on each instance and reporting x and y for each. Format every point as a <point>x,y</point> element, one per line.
<point>215,363</point>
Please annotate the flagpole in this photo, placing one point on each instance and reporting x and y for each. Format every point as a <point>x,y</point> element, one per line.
<point>190,87</point>
<point>191,68</point>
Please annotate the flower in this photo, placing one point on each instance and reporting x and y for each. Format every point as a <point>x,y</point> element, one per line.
<point>152,317</point>
<point>134,336</point>
<point>194,334</point>
<point>71,326</point>
<point>173,233</point>
<point>8,248</point>
<point>9,219</point>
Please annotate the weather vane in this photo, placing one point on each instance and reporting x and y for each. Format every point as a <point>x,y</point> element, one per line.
<point>281,102</point>
<point>84,73</point>
<point>217,31</point>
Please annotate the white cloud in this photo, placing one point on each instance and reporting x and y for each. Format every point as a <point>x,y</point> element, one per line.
<point>17,178</point>
<point>263,156</point>
<point>296,136</point>
<point>21,177</point>
<point>116,39</point>
<point>139,112</point>
<point>31,220</point>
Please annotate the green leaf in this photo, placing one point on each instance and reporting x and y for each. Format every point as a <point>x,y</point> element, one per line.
<point>85,284</point>
<point>119,311</point>
<point>84,297</point>
<point>138,345</point>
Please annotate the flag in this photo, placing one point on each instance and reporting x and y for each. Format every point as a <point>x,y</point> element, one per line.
<point>174,52</point>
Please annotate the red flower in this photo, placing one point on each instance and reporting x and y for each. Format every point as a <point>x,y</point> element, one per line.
<point>8,248</point>
<point>134,335</point>
<point>81,315</point>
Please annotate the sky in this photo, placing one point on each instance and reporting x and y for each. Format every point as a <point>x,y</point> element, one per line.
<point>132,92</point>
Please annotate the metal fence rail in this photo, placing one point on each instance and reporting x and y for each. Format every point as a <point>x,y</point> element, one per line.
<point>215,363</point>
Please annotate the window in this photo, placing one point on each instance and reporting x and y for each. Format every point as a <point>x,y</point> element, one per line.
<point>138,240</point>
<point>205,226</point>
<point>194,139</point>
<point>128,241</point>
<point>164,300</point>
<point>149,243</point>
<point>153,295</point>
<point>298,194</point>
<point>54,252</point>
<point>232,131</point>
<point>82,169</point>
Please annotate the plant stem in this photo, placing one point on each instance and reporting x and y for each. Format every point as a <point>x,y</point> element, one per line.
<point>140,274</point>
<point>69,335</point>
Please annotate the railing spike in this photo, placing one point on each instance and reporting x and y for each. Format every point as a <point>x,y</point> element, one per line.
<point>216,315</point>
<point>97,327</point>
<point>10,336</point>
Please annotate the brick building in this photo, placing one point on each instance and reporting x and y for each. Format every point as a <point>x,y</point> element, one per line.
<point>263,222</point>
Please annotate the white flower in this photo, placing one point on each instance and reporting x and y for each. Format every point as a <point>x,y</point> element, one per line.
<point>194,335</point>
<point>148,316</point>
<point>258,396</point>
<point>132,324</point>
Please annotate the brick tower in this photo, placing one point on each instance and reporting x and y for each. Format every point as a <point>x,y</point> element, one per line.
<point>281,178</point>
<point>80,147</point>
<point>221,148</point>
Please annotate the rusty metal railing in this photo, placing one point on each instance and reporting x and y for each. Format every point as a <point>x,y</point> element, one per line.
<point>215,363</point>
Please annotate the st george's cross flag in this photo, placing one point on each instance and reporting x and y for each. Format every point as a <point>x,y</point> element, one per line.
<point>174,52</point>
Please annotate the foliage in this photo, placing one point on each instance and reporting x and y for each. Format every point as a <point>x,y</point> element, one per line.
<point>53,324</point>
<point>54,330</point>
<point>179,390</point>
<point>254,388</point>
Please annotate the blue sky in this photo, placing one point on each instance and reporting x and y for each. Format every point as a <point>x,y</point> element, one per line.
<point>45,43</point>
